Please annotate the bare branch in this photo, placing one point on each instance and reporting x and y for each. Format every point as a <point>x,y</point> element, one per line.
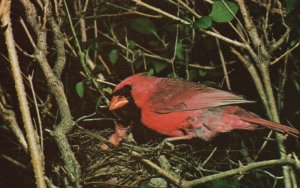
<point>240,170</point>
<point>141,3</point>
<point>34,148</point>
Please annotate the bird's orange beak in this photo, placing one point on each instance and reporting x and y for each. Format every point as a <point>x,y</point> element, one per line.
<point>117,102</point>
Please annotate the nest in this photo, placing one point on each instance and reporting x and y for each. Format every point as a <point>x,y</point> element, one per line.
<point>131,165</point>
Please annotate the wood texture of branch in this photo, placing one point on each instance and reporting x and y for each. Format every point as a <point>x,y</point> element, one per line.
<point>56,88</point>
<point>34,148</point>
<point>263,62</point>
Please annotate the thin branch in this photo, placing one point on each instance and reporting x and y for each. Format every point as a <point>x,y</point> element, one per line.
<point>238,20</point>
<point>56,88</point>
<point>253,34</point>
<point>267,139</point>
<point>284,54</point>
<point>266,22</point>
<point>175,46</point>
<point>14,162</point>
<point>130,10</point>
<point>240,170</point>
<point>28,33</point>
<point>104,64</point>
<point>150,7</point>
<point>209,157</point>
<point>130,60</point>
<point>80,52</point>
<point>159,170</point>
<point>275,117</point>
<point>223,64</point>
<point>241,35</point>
<point>152,55</point>
<point>225,39</point>
<point>9,117</point>
<point>280,41</point>
<point>34,148</point>
<point>105,82</point>
<point>273,10</point>
<point>189,9</point>
<point>30,77</point>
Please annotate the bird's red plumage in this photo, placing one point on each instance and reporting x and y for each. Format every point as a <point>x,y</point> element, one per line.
<point>178,108</point>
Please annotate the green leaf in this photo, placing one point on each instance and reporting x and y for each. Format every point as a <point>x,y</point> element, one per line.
<point>80,89</point>
<point>179,50</point>
<point>223,11</point>
<point>131,44</point>
<point>143,25</point>
<point>158,66</point>
<point>202,73</point>
<point>204,22</point>
<point>150,72</point>
<point>113,56</point>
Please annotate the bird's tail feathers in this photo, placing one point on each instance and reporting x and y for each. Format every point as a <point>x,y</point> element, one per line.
<point>274,126</point>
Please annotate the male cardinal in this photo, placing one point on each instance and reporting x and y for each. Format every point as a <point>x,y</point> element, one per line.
<point>182,109</point>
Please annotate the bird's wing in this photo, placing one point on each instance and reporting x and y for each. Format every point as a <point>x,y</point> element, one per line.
<point>178,95</point>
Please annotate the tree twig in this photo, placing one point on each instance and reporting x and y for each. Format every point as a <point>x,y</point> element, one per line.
<point>240,170</point>
<point>56,88</point>
<point>284,54</point>
<point>223,64</point>
<point>150,7</point>
<point>30,78</point>
<point>34,148</point>
<point>9,117</point>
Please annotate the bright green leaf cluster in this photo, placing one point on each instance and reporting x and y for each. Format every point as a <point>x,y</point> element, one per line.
<point>222,11</point>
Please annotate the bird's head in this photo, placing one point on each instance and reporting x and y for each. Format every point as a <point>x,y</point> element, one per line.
<point>135,89</point>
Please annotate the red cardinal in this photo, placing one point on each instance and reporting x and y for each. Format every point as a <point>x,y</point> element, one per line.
<point>183,109</point>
